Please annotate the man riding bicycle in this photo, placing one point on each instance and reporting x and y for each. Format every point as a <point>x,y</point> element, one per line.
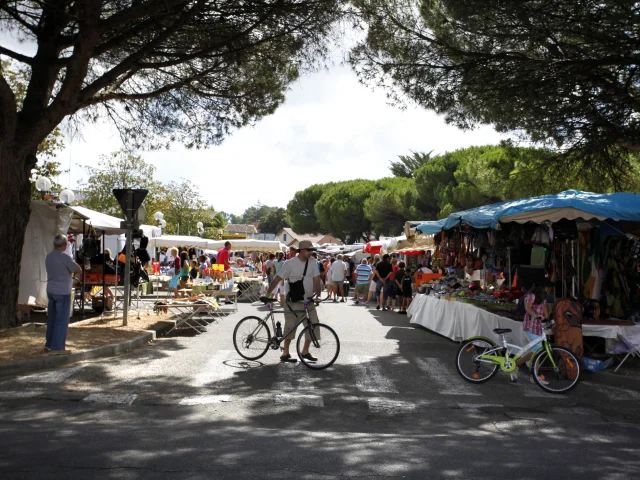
<point>304,282</point>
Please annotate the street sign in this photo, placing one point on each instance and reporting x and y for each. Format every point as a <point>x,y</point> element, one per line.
<point>130,200</point>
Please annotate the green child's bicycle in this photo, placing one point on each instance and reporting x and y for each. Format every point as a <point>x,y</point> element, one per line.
<point>555,369</point>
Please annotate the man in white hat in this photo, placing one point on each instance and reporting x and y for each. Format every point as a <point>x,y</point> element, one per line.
<point>303,268</point>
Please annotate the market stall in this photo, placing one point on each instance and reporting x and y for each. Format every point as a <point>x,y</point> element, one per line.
<point>249,245</point>
<point>579,241</point>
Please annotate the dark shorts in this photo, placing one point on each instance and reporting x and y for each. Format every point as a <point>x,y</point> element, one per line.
<point>390,290</point>
<point>407,293</point>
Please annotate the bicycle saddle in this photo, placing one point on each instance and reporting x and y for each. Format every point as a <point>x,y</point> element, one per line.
<point>500,331</point>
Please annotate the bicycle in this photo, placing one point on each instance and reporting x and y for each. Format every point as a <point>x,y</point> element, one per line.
<point>555,369</point>
<point>252,333</point>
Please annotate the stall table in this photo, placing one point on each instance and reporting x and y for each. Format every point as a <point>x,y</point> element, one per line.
<point>457,320</point>
<point>190,314</point>
<point>249,289</point>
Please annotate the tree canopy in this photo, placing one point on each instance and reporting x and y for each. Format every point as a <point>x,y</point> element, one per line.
<point>274,221</point>
<point>162,71</point>
<point>301,209</point>
<point>564,72</point>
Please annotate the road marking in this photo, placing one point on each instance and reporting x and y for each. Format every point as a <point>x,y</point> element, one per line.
<point>215,371</point>
<point>614,393</point>
<point>28,394</point>
<point>390,407</point>
<point>55,376</point>
<point>299,399</point>
<point>369,377</point>
<point>120,399</point>
<point>205,399</point>
<point>447,382</point>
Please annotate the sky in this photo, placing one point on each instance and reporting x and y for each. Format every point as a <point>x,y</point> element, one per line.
<point>330,128</point>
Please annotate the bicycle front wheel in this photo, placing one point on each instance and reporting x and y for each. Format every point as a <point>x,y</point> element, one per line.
<point>251,338</point>
<point>557,376</point>
<point>468,361</point>
<point>325,346</point>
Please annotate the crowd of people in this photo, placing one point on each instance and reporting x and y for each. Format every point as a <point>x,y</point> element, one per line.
<point>381,281</point>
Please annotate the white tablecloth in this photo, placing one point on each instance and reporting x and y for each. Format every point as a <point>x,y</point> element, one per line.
<point>631,333</point>
<point>457,320</point>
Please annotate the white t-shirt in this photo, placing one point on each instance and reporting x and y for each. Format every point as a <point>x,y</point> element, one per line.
<point>338,271</point>
<point>293,269</point>
<point>425,270</point>
<point>163,258</point>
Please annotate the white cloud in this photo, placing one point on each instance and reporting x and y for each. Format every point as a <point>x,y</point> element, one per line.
<point>330,128</point>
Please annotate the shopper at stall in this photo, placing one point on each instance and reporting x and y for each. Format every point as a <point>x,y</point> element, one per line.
<point>269,267</point>
<point>403,281</point>
<point>185,267</point>
<point>337,278</point>
<point>363,274</point>
<point>223,259</point>
<point>390,287</point>
<point>59,267</point>
<point>176,263</point>
<point>535,303</point>
<point>280,290</point>
<point>383,271</point>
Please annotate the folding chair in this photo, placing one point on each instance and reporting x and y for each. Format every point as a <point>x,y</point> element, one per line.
<point>634,351</point>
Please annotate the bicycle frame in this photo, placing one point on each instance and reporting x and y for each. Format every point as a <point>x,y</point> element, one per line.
<point>277,341</point>
<point>502,355</point>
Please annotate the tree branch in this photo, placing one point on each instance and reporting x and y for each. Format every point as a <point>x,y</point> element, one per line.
<point>16,56</point>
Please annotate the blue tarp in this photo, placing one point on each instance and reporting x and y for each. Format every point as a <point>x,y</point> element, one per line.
<point>616,206</point>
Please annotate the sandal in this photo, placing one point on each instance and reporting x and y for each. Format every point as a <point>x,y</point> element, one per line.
<point>287,358</point>
<point>309,357</point>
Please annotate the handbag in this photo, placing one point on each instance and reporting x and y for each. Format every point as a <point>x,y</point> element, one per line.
<point>296,289</point>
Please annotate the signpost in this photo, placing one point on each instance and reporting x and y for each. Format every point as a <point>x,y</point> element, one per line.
<point>130,200</point>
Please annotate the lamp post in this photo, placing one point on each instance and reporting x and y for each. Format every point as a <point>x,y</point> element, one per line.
<point>160,221</point>
<point>43,185</point>
<point>200,227</point>
<point>67,196</point>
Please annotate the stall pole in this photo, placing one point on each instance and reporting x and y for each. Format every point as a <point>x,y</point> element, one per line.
<point>573,277</point>
<point>564,288</point>
<point>509,266</point>
<point>104,292</point>
<point>84,262</point>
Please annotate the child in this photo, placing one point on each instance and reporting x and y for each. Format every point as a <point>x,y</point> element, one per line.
<point>406,290</point>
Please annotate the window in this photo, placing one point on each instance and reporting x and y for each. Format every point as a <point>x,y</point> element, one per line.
<point>284,237</point>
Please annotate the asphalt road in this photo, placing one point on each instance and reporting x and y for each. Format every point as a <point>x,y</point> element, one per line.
<point>392,406</point>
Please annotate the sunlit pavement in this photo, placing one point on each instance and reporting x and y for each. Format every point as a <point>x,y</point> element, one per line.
<point>392,406</point>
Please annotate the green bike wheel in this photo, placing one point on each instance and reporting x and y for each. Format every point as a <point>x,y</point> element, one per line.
<point>468,363</point>
<point>559,376</point>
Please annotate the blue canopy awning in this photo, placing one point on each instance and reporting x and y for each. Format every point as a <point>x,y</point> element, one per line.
<point>571,204</point>
<point>431,228</point>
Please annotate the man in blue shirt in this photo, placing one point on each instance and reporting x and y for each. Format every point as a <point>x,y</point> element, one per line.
<point>60,267</point>
<point>363,274</point>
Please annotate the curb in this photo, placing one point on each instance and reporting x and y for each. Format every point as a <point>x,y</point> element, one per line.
<point>109,350</point>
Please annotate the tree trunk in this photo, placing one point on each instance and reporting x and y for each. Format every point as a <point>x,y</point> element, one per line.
<point>15,208</point>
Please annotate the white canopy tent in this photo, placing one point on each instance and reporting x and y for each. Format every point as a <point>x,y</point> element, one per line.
<point>167,241</point>
<point>46,221</point>
<point>249,245</point>
<point>102,222</point>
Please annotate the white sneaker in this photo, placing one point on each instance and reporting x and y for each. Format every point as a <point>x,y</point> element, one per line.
<point>513,376</point>
<point>532,380</point>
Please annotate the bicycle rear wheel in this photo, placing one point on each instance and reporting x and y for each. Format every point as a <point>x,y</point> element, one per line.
<point>467,362</point>
<point>561,378</point>
<point>325,346</point>
<point>251,338</point>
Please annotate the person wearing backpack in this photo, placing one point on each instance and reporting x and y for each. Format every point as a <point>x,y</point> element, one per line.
<point>403,281</point>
